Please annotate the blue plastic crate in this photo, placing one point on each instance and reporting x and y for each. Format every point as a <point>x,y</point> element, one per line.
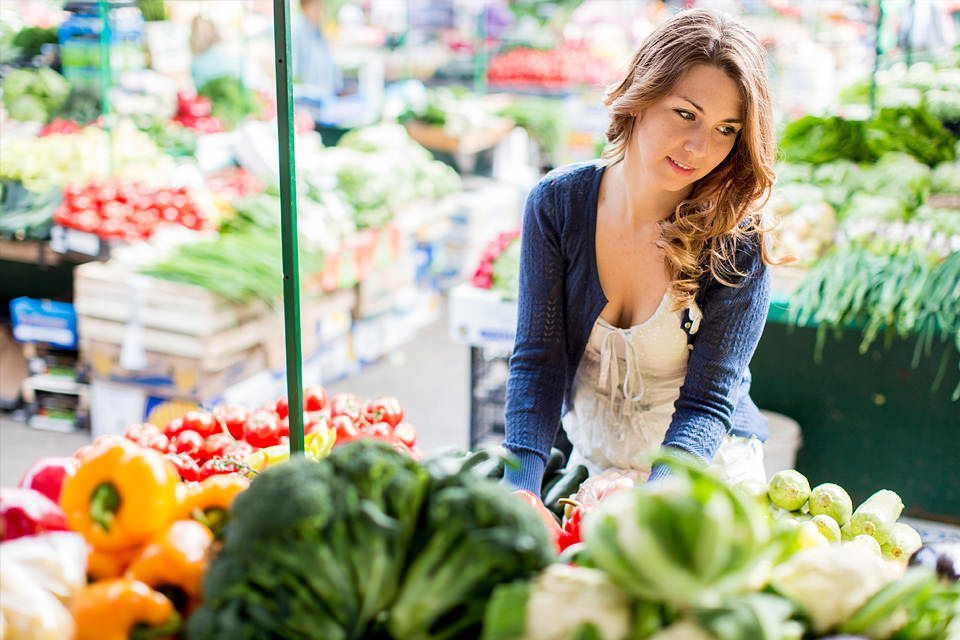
<point>44,321</point>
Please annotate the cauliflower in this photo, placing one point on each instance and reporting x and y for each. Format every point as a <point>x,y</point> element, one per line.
<point>832,582</point>
<point>683,630</point>
<point>565,598</point>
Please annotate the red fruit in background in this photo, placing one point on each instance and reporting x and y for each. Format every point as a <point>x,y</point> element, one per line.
<point>344,426</point>
<point>345,404</point>
<point>314,397</point>
<point>377,430</point>
<point>201,422</point>
<point>186,466</point>
<point>263,429</point>
<point>83,452</point>
<point>149,436</point>
<point>282,409</point>
<point>549,521</point>
<point>216,445</point>
<point>46,476</point>
<point>406,433</point>
<point>173,427</point>
<point>216,466</point>
<point>25,512</point>
<point>384,409</point>
<point>189,442</point>
<point>238,450</point>
<point>233,418</point>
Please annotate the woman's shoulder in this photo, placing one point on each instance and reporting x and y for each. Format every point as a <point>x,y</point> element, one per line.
<point>570,183</point>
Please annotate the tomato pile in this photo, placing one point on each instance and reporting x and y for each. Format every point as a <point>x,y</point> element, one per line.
<point>551,69</point>
<point>483,276</point>
<point>227,440</point>
<point>125,210</point>
<point>195,112</point>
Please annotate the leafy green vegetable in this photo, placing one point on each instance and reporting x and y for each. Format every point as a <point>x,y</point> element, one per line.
<point>688,540</point>
<point>32,95</point>
<point>911,130</point>
<point>506,271</point>
<point>821,140</point>
<point>25,215</point>
<point>231,100</point>
<point>365,544</point>
<point>30,40</point>
<point>82,104</point>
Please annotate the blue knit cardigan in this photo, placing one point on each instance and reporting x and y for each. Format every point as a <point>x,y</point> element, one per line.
<point>561,299</point>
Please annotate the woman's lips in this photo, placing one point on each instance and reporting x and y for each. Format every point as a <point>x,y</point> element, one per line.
<point>680,168</point>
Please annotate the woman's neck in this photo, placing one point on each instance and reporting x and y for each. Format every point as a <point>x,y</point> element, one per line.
<point>643,201</point>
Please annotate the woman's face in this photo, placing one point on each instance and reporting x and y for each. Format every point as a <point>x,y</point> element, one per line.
<point>683,136</point>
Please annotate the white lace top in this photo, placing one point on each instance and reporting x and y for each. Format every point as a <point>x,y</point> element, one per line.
<point>625,387</point>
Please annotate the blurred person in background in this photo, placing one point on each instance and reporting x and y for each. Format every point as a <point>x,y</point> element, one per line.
<point>313,67</point>
<point>644,285</point>
<point>212,57</point>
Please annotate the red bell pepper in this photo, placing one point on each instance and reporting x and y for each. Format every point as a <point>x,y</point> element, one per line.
<point>46,475</point>
<point>570,531</point>
<point>25,512</point>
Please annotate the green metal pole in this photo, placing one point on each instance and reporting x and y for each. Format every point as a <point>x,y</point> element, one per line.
<point>288,223</point>
<point>106,70</point>
<point>878,53</point>
<point>106,77</point>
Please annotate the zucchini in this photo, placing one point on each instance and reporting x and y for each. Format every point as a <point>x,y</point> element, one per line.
<point>568,484</point>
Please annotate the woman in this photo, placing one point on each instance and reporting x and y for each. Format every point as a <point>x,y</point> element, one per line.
<point>643,279</point>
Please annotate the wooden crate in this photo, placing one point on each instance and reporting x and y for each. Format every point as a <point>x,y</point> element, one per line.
<point>109,293</point>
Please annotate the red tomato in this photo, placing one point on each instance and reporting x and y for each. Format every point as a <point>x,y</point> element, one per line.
<point>384,409</point>
<point>216,466</point>
<point>216,445</point>
<point>345,404</point>
<point>189,442</point>
<point>186,466</point>
<point>282,409</point>
<point>406,433</point>
<point>377,430</point>
<point>201,422</point>
<point>148,435</point>
<point>314,397</point>
<point>173,427</point>
<point>46,475</point>
<point>232,417</point>
<point>238,450</point>
<point>344,426</point>
<point>263,429</point>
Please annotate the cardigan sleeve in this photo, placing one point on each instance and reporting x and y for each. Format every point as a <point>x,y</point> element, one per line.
<point>538,365</point>
<point>733,320</point>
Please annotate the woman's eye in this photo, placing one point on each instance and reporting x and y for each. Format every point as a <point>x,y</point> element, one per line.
<point>728,131</point>
<point>686,115</point>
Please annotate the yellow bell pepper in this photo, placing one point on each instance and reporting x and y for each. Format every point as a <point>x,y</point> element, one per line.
<point>103,564</point>
<point>209,500</point>
<point>121,495</point>
<point>175,561</point>
<point>114,609</point>
<point>318,444</point>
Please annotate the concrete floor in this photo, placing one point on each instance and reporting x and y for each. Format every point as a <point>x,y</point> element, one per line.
<point>429,376</point>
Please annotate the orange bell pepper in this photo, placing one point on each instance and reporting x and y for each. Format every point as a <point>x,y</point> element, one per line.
<point>121,495</point>
<point>103,564</point>
<point>175,560</point>
<point>209,500</point>
<point>120,608</point>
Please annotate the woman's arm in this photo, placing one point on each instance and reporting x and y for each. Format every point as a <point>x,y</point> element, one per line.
<point>538,364</point>
<point>733,320</point>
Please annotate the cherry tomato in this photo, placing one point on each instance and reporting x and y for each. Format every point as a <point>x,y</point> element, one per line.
<point>201,422</point>
<point>148,435</point>
<point>186,466</point>
<point>263,429</point>
<point>282,409</point>
<point>344,426</point>
<point>189,442</point>
<point>406,433</point>
<point>345,404</point>
<point>216,445</point>
<point>314,397</point>
<point>232,417</point>
<point>384,409</point>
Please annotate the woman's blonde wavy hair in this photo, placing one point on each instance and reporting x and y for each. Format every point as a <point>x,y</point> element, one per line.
<point>724,207</point>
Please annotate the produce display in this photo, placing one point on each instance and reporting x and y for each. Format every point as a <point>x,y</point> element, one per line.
<point>34,95</point>
<point>550,69</point>
<point>499,267</point>
<point>127,210</point>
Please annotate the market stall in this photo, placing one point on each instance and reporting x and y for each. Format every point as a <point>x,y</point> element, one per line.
<point>222,260</point>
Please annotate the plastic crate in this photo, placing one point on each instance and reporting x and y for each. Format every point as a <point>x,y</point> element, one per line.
<point>488,390</point>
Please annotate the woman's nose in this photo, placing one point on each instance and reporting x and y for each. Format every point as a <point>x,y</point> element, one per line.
<point>696,143</point>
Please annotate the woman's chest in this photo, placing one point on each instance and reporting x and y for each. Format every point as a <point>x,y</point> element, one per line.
<point>632,272</point>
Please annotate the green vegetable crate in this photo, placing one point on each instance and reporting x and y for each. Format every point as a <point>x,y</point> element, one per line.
<point>868,420</point>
